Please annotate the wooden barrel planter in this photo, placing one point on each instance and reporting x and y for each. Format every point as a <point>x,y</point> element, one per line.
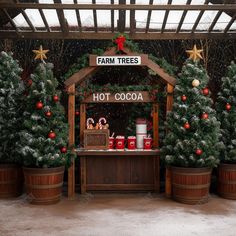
<point>44,185</point>
<point>11,181</point>
<point>191,185</point>
<point>226,182</point>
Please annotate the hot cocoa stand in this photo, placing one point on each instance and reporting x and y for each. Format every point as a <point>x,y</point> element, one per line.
<point>111,169</point>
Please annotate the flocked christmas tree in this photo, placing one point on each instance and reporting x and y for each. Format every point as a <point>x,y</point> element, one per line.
<point>43,142</point>
<point>193,130</point>
<point>11,90</point>
<point>226,113</point>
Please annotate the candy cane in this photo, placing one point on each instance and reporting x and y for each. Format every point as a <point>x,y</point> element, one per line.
<point>100,122</point>
<point>89,120</point>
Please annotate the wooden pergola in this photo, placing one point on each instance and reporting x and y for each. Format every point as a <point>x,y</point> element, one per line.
<point>9,9</point>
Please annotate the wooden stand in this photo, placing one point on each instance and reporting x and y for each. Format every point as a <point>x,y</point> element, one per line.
<point>119,170</point>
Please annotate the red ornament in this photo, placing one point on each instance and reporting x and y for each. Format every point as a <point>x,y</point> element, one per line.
<point>120,42</point>
<point>77,113</point>
<point>39,105</point>
<point>205,91</point>
<point>205,116</point>
<point>48,113</point>
<point>55,98</point>
<point>51,135</point>
<point>227,106</point>
<point>198,152</point>
<point>187,125</point>
<point>63,149</point>
<point>29,82</point>
<point>183,98</point>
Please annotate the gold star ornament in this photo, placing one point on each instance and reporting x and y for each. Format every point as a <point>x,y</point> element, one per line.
<point>195,54</point>
<point>40,54</point>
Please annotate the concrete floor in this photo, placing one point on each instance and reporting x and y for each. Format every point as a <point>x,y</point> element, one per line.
<point>117,215</point>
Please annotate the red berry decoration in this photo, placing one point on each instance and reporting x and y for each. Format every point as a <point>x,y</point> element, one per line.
<point>205,116</point>
<point>198,152</point>
<point>48,113</point>
<point>205,91</point>
<point>51,135</point>
<point>227,106</point>
<point>63,149</point>
<point>39,105</point>
<point>183,98</point>
<point>187,125</point>
<point>55,98</point>
<point>77,113</point>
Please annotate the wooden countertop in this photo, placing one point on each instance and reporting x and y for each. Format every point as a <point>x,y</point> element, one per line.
<point>113,152</point>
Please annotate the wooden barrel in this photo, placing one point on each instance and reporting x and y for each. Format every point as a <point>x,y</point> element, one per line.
<point>44,185</point>
<point>191,185</point>
<point>226,183</point>
<point>11,181</point>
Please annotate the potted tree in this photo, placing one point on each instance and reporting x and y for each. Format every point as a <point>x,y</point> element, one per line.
<point>226,113</point>
<point>189,147</point>
<point>11,91</point>
<point>43,140</point>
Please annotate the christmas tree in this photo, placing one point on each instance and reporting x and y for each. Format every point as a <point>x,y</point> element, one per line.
<point>193,130</point>
<point>11,90</point>
<point>226,113</point>
<point>43,142</point>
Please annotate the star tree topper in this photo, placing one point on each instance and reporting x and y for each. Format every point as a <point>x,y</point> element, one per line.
<point>40,54</point>
<point>195,54</point>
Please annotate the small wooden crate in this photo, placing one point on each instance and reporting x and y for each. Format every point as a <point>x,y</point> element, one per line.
<point>95,139</point>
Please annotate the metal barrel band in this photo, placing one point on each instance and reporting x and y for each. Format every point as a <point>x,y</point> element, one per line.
<point>227,182</point>
<point>192,174</point>
<point>43,186</point>
<point>227,170</point>
<point>46,174</point>
<point>200,186</point>
<point>44,198</point>
<point>8,182</point>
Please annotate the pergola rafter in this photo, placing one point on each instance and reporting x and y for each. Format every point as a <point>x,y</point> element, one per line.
<point>83,31</point>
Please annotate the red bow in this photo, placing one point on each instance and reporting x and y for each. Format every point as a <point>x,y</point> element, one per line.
<point>120,42</point>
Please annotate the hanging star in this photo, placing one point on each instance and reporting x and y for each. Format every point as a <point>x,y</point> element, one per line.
<point>195,54</point>
<point>40,54</point>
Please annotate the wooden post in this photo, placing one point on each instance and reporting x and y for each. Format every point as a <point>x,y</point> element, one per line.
<point>71,121</point>
<point>82,122</point>
<point>169,105</point>
<point>155,125</point>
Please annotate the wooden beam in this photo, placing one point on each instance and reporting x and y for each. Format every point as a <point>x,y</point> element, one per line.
<point>149,17</point>
<point>230,23</point>
<point>108,35</point>
<point>165,17</point>
<point>132,19</point>
<point>121,6</point>
<point>28,20</point>
<point>122,17</point>
<point>214,21</point>
<point>78,17</point>
<point>112,18</point>
<point>62,20</point>
<point>164,76</point>
<point>71,122</point>
<point>199,18</point>
<point>80,76</point>
<point>95,17</point>
<point>43,18</point>
<point>10,20</point>
<point>182,18</point>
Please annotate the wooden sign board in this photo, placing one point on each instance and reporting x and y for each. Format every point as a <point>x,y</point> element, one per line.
<point>118,60</point>
<point>120,97</point>
<point>95,139</point>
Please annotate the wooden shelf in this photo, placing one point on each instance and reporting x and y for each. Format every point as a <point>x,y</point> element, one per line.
<point>137,152</point>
